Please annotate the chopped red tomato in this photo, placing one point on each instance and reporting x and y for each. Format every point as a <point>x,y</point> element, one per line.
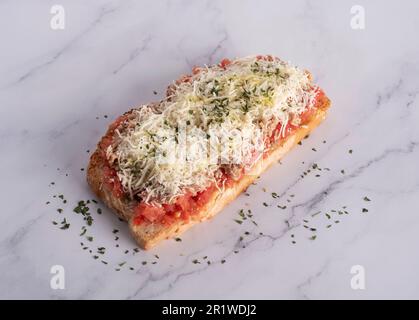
<point>225,63</point>
<point>149,212</point>
<point>266,58</point>
<point>112,181</point>
<point>202,197</point>
<point>196,70</point>
<point>185,78</point>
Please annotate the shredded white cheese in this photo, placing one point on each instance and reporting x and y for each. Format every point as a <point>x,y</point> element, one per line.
<point>219,120</point>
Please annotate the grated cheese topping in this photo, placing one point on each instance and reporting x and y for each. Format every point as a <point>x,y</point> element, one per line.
<point>217,121</point>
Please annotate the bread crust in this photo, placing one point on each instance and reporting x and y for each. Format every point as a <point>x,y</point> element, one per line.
<point>148,235</point>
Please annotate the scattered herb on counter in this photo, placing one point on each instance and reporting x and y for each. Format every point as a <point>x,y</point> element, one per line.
<point>83,232</point>
<point>64,224</point>
<point>367,199</point>
<point>223,261</point>
<point>313,237</point>
<point>178,239</point>
<point>364,210</point>
<point>195,261</point>
<point>265,204</point>
<point>350,151</point>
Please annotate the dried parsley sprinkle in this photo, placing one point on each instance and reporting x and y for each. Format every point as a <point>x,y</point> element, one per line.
<point>342,171</point>
<point>274,195</point>
<point>367,199</point>
<point>265,204</point>
<point>364,210</point>
<point>99,211</point>
<point>178,239</point>
<point>238,221</point>
<point>313,237</point>
<point>114,231</point>
<point>144,263</point>
<point>65,226</point>
<point>83,231</point>
<point>89,238</point>
<point>54,223</point>
<point>350,151</point>
<point>60,210</point>
<point>195,261</point>
<point>223,261</point>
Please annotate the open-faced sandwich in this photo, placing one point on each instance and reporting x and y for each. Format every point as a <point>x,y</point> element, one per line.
<point>167,165</point>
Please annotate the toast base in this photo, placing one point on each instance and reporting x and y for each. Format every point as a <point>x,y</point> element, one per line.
<point>148,235</point>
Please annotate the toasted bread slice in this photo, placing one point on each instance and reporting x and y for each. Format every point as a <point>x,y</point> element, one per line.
<point>148,235</point>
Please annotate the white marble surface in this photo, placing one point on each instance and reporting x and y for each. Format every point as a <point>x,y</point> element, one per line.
<point>113,54</point>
